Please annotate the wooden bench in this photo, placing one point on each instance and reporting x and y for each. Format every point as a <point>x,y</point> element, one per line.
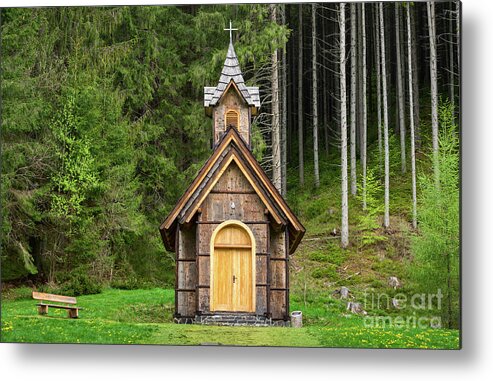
<point>73,311</point>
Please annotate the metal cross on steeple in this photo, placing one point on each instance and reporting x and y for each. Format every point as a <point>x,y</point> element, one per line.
<point>230,29</point>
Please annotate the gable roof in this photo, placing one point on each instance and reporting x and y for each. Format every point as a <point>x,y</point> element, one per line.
<point>231,72</point>
<point>231,148</point>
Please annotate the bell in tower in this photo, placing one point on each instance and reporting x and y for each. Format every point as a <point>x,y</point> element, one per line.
<point>231,104</point>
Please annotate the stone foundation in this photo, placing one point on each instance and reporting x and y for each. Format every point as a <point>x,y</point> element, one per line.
<point>232,320</point>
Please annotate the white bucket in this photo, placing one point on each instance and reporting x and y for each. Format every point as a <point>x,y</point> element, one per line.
<point>296,319</point>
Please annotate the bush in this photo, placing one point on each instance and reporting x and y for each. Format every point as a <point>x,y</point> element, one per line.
<point>16,293</point>
<point>81,284</point>
<point>130,283</point>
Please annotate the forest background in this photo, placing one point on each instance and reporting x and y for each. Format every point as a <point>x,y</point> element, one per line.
<point>103,129</point>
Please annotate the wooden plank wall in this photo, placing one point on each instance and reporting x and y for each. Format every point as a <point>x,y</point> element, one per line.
<point>186,273</point>
<point>279,293</point>
<point>231,101</point>
<point>193,258</point>
<point>233,188</point>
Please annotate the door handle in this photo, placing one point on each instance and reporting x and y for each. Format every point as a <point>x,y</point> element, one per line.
<point>234,279</point>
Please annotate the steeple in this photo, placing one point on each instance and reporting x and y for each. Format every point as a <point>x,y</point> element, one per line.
<point>231,72</point>
<point>238,111</point>
<point>230,32</point>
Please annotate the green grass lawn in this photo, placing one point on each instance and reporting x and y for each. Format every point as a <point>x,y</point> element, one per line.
<point>145,317</point>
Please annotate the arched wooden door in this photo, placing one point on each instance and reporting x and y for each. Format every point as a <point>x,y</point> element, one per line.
<point>232,268</point>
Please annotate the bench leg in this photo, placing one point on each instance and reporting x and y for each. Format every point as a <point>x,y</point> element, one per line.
<point>42,310</point>
<point>73,313</point>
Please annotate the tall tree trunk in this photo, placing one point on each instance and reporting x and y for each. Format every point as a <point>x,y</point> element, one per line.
<point>400,87</point>
<point>411,116</point>
<point>352,136</point>
<point>344,179</point>
<point>290,68</point>
<point>451,58</point>
<point>386,218</point>
<point>301,163</point>
<point>359,117</point>
<point>434,90</point>
<point>379,91</point>
<point>364,105</point>
<point>284,125</point>
<point>417,133</point>
<point>457,9</point>
<point>315,96</point>
<point>459,63</point>
<point>276,133</point>
<point>325,92</point>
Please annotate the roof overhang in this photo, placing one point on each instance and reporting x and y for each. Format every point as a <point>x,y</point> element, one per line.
<point>252,100</point>
<point>209,174</point>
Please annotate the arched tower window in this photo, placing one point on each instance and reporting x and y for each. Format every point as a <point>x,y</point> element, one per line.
<point>233,119</point>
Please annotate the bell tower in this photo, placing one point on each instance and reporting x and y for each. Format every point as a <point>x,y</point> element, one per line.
<point>231,104</point>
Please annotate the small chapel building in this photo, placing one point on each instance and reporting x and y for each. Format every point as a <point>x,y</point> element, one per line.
<point>232,231</point>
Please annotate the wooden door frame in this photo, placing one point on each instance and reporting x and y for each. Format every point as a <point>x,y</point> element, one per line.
<point>211,264</point>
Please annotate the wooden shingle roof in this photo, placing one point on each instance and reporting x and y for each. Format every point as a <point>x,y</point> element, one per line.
<point>231,148</point>
<point>231,72</point>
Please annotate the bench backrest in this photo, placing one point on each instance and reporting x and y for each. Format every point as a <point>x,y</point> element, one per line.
<point>54,298</point>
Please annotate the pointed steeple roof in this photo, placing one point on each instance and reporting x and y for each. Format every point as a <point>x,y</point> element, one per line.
<point>231,72</point>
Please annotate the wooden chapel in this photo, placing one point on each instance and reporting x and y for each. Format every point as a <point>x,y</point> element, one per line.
<point>232,231</point>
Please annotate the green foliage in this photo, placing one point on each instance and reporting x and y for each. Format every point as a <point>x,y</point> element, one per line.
<point>317,207</point>
<point>368,220</point>
<point>332,254</point>
<point>144,317</point>
<point>129,283</point>
<point>387,267</point>
<point>436,247</point>
<point>146,313</point>
<point>18,265</point>
<point>16,293</point>
<point>103,129</point>
<point>76,177</point>
<point>319,256</point>
<point>328,271</point>
<point>126,278</point>
<point>81,284</point>
<point>258,143</point>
